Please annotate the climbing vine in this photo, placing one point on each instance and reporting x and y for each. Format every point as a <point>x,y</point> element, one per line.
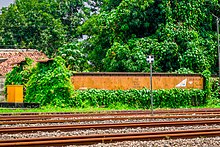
<point>20,74</point>
<point>50,84</point>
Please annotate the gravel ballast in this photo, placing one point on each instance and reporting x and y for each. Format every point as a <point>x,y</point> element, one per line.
<point>105,122</point>
<point>97,131</point>
<point>194,142</point>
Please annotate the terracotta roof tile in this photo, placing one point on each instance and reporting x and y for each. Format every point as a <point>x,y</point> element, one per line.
<point>18,56</point>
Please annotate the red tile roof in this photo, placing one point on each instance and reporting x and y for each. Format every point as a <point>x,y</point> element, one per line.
<point>17,55</point>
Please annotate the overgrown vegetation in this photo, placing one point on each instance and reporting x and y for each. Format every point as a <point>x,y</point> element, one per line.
<point>47,83</point>
<point>20,74</point>
<point>50,84</point>
<point>140,99</point>
<point>215,93</point>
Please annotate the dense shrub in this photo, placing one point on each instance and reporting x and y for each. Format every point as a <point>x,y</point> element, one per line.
<point>215,93</point>
<point>173,98</point>
<point>50,84</point>
<point>20,74</point>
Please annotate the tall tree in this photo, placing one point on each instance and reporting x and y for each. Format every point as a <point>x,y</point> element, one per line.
<point>44,25</point>
<point>181,34</point>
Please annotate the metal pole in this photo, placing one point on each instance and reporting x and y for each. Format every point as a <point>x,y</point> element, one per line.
<point>217,22</point>
<point>218,49</point>
<point>151,92</point>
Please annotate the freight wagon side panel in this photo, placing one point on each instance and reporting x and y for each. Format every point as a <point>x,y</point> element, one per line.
<point>124,81</point>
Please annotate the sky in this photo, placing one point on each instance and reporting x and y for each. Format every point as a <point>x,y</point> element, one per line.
<point>5,3</point>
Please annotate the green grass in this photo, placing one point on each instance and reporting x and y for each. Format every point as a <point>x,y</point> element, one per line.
<point>87,109</point>
<point>58,109</point>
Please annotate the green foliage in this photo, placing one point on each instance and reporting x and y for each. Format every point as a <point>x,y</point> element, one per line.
<point>207,88</point>
<point>20,74</point>
<point>132,56</point>
<point>215,93</point>
<point>50,84</point>
<point>44,25</point>
<point>216,87</point>
<point>181,34</point>
<point>74,57</point>
<point>28,24</point>
<point>14,77</point>
<point>173,98</point>
<point>184,71</point>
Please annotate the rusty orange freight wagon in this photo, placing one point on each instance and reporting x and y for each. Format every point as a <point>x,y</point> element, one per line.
<point>125,80</point>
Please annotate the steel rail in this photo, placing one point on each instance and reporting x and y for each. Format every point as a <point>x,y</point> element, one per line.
<point>37,117</point>
<point>107,138</point>
<point>29,117</point>
<point>10,122</point>
<point>10,130</point>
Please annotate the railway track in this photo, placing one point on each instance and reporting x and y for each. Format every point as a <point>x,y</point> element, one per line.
<point>41,116</point>
<point>104,126</point>
<point>106,138</point>
<point>9,121</point>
